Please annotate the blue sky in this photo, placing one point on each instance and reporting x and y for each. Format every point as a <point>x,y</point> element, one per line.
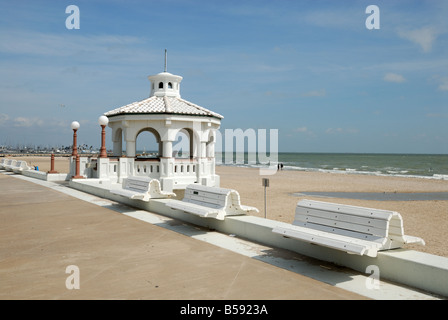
<point>310,69</point>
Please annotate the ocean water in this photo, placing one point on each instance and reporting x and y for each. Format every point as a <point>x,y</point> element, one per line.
<point>430,166</point>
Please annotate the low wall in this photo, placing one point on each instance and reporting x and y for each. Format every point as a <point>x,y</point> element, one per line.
<point>412,268</point>
<point>41,175</point>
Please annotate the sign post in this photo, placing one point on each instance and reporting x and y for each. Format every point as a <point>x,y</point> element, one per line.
<point>265,183</point>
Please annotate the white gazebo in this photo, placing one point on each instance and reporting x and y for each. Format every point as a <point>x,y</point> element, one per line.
<point>164,114</point>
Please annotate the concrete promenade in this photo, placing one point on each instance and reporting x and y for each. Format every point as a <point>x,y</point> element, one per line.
<point>43,231</point>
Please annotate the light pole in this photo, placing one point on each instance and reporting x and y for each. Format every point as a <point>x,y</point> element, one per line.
<point>75,127</point>
<point>265,183</point>
<point>103,121</point>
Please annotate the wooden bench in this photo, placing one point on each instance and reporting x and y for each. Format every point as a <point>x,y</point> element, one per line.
<point>352,229</point>
<point>20,167</point>
<point>141,188</point>
<point>210,202</point>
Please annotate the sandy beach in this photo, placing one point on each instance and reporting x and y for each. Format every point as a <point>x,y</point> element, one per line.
<point>425,219</point>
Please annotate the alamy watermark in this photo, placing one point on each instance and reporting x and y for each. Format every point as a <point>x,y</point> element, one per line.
<point>373,281</point>
<point>73,20</point>
<point>73,280</point>
<point>373,21</point>
<point>237,146</point>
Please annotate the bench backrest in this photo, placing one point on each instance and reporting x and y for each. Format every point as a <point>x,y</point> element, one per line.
<point>207,196</point>
<point>23,165</point>
<point>136,184</point>
<point>357,222</point>
<point>20,164</point>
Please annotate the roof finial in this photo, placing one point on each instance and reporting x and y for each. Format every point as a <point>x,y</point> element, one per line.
<point>165,61</point>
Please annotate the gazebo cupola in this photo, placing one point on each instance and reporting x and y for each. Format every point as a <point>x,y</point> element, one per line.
<point>165,84</point>
<point>165,114</point>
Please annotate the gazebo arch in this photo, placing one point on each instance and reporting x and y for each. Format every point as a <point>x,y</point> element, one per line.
<point>186,146</point>
<point>156,136</point>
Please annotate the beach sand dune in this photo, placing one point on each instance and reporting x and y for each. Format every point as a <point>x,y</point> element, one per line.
<point>425,219</point>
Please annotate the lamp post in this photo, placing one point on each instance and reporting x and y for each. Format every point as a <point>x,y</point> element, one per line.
<point>52,164</point>
<point>265,183</point>
<point>103,121</point>
<point>75,127</point>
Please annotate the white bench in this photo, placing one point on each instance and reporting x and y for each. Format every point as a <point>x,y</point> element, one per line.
<point>21,166</point>
<point>141,188</point>
<point>352,229</point>
<point>3,163</point>
<point>10,164</point>
<point>210,202</point>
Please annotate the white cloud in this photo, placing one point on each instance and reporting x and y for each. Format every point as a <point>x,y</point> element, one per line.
<point>341,130</point>
<point>393,77</point>
<point>55,45</point>
<point>3,118</point>
<point>301,129</point>
<point>305,131</point>
<point>25,122</point>
<point>424,37</point>
<point>28,122</point>
<point>444,85</point>
<point>334,130</point>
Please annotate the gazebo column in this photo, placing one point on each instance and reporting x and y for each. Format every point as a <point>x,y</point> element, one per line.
<point>167,149</point>
<point>160,153</point>
<point>202,172</point>
<point>203,149</point>
<point>130,148</point>
<point>167,166</point>
<point>126,164</point>
<point>118,147</point>
<point>130,136</point>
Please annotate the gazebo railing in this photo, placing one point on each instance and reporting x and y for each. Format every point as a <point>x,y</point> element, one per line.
<point>152,168</point>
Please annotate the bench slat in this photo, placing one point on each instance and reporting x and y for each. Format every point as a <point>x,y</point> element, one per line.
<point>342,232</point>
<point>359,211</point>
<point>194,208</point>
<point>341,216</point>
<point>208,195</point>
<point>199,187</point>
<point>205,194</point>
<point>337,224</point>
<point>204,204</point>
<point>200,198</point>
<point>128,193</point>
<point>342,243</point>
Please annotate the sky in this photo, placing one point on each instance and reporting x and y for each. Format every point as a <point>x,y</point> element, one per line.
<point>313,70</point>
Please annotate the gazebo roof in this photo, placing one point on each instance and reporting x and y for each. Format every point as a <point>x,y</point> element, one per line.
<point>163,105</point>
